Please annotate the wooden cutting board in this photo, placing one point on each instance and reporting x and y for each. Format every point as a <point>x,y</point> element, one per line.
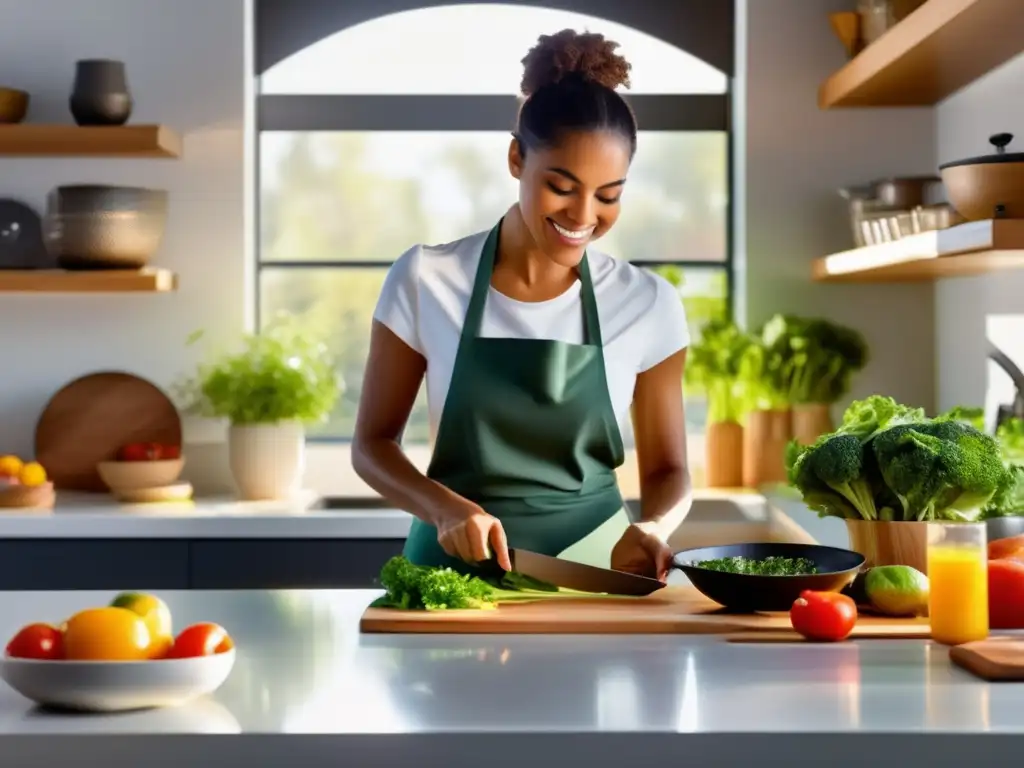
<point>90,418</point>
<point>996,658</point>
<point>673,610</point>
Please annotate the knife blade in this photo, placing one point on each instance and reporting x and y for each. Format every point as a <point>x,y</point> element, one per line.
<point>585,578</point>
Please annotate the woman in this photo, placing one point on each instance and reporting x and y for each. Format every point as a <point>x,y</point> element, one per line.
<point>538,352</point>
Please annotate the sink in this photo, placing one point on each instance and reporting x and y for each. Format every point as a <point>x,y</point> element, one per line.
<point>346,503</point>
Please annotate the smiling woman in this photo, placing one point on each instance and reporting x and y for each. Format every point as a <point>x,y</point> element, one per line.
<point>377,136</point>
<point>538,350</point>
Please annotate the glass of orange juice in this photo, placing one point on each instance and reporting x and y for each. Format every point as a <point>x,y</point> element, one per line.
<point>958,582</point>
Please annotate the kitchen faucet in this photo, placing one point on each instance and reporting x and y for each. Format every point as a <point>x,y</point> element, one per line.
<point>1003,361</point>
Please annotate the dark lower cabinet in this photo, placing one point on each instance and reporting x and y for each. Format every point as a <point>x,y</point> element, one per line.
<point>121,564</point>
<point>289,563</point>
<point>31,564</point>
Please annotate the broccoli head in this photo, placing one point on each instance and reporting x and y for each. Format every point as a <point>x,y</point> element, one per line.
<point>830,476</point>
<point>1009,498</point>
<point>939,469</point>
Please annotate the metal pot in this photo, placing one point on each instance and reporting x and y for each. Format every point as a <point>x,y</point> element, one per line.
<point>1004,527</point>
<point>989,186</point>
<point>904,193</point>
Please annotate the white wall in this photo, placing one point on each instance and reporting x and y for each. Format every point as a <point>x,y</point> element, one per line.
<point>186,63</point>
<point>796,157</point>
<point>966,307</point>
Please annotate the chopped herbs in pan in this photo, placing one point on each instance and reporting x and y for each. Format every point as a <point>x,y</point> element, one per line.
<point>766,566</point>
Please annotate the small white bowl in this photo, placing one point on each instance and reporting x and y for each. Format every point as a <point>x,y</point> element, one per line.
<point>138,475</point>
<point>116,686</point>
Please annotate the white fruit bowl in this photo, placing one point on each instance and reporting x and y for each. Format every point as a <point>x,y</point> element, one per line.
<point>116,686</point>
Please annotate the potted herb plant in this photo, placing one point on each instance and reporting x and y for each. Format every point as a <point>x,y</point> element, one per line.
<point>820,357</point>
<point>712,367</point>
<point>766,421</point>
<point>279,381</point>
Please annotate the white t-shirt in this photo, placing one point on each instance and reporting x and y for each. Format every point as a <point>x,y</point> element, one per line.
<point>426,295</point>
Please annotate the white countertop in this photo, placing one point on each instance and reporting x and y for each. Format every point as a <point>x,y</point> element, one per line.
<point>99,516</point>
<point>308,689</point>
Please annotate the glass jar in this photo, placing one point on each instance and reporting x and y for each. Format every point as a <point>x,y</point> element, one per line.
<point>958,582</point>
<point>876,16</point>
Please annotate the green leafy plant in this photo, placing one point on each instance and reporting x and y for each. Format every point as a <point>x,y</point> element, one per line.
<point>813,359</point>
<point>713,366</point>
<point>283,373</point>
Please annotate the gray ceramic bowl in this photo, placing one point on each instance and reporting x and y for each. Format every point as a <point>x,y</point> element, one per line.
<point>99,198</point>
<point>103,240</point>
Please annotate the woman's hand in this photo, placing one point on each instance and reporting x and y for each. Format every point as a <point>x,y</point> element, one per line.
<point>642,551</point>
<point>472,535</point>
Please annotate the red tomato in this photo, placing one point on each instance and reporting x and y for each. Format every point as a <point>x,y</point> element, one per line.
<point>1009,548</point>
<point>142,452</point>
<point>1006,594</point>
<point>205,639</point>
<point>823,615</point>
<point>37,641</point>
<point>170,451</point>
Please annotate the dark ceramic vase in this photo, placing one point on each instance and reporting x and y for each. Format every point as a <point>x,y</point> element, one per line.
<point>100,94</point>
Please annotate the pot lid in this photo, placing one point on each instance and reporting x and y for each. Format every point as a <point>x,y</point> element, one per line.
<point>999,141</point>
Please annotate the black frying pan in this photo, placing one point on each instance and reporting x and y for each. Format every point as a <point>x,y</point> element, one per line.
<point>837,568</point>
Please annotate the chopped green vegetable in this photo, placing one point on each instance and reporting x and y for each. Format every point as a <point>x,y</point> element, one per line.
<point>420,587</point>
<point>765,566</point>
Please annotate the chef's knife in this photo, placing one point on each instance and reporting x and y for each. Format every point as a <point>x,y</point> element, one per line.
<point>586,578</point>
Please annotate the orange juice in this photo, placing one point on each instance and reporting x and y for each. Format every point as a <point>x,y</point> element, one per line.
<point>958,593</point>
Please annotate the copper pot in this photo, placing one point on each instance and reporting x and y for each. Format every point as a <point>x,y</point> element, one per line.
<point>989,186</point>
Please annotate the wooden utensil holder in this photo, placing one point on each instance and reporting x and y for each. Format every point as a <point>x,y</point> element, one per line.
<point>884,543</point>
<point>723,450</point>
<point>811,421</point>
<point>765,436</point>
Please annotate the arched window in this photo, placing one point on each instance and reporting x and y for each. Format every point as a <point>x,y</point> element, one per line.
<point>386,122</point>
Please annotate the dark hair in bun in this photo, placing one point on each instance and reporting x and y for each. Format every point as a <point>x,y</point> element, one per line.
<point>569,81</point>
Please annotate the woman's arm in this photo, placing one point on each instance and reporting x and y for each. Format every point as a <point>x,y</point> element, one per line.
<point>659,425</point>
<point>394,373</point>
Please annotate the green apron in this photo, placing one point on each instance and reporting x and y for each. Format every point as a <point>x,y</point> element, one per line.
<point>529,434</point>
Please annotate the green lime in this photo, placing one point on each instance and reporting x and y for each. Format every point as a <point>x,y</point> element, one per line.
<point>897,590</point>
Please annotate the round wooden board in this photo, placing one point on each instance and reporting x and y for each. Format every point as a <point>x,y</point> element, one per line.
<point>92,417</point>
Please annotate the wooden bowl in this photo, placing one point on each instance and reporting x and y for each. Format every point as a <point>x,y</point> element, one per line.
<point>27,496</point>
<point>13,105</point>
<point>121,476</point>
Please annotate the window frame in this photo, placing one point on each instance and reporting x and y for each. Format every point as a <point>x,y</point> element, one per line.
<point>284,27</point>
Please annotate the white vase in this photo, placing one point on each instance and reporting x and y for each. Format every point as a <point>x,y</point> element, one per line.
<point>268,461</point>
<point>204,442</point>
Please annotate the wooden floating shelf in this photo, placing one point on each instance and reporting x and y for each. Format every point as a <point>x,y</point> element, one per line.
<point>974,248</point>
<point>148,280</point>
<point>29,140</point>
<point>932,53</point>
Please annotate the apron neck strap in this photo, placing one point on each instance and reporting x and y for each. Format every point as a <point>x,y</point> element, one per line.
<point>482,284</point>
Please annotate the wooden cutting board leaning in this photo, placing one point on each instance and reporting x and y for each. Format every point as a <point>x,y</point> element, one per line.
<point>89,419</point>
<point>673,610</point>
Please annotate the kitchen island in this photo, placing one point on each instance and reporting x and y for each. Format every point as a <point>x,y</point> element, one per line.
<point>309,690</point>
<point>88,541</point>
